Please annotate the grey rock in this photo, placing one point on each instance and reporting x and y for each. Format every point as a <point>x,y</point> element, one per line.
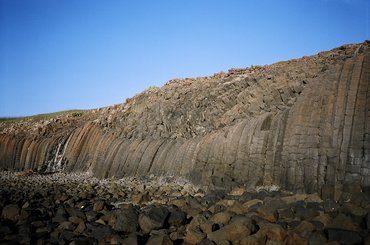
<point>42,231</point>
<point>153,219</point>
<point>72,211</point>
<point>133,239</point>
<point>67,235</point>
<point>5,229</point>
<point>91,215</point>
<point>100,232</point>
<point>83,241</point>
<point>206,242</point>
<point>124,219</point>
<point>317,238</point>
<point>344,236</point>
<point>367,221</point>
<point>177,218</point>
<point>81,227</point>
<point>159,240</point>
<point>66,225</point>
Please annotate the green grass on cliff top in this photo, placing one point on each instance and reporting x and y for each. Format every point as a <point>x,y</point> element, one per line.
<point>42,116</point>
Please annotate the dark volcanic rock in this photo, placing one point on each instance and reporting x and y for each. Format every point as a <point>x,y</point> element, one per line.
<point>100,232</point>
<point>344,236</point>
<point>153,219</point>
<point>177,218</point>
<point>248,126</point>
<point>124,219</point>
<point>234,231</point>
<point>297,218</point>
<point>11,212</point>
<point>159,240</point>
<point>75,212</point>
<point>60,216</point>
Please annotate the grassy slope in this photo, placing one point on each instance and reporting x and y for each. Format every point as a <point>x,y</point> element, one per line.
<point>39,117</point>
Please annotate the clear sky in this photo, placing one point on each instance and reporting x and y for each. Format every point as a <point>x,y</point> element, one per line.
<point>82,54</point>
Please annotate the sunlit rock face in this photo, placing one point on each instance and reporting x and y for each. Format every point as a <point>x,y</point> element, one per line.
<point>302,124</point>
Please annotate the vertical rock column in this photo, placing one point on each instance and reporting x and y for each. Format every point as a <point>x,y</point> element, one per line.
<point>356,128</point>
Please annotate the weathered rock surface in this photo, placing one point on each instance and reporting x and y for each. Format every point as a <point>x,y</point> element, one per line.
<point>302,124</point>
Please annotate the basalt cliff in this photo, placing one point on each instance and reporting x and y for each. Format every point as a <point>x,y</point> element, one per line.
<point>303,125</point>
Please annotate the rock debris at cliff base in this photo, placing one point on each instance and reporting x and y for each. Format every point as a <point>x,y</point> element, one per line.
<point>79,209</point>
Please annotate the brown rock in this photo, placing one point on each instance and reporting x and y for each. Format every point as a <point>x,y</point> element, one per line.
<point>221,218</point>
<point>343,222</point>
<point>354,210</point>
<point>237,191</point>
<point>251,203</point>
<point>66,225</point>
<point>273,232</point>
<point>179,202</point>
<point>233,232</point>
<point>325,219</point>
<point>98,205</point>
<point>302,197</point>
<point>193,235</point>
<point>267,213</point>
<point>237,208</point>
<point>75,220</point>
<point>159,240</point>
<point>304,229</point>
<point>293,239</point>
<point>80,228</point>
<point>11,212</point>
<point>140,198</point>
<point>256,239</point>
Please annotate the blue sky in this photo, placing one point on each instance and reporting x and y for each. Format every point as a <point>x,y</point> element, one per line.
<point>67,54</point>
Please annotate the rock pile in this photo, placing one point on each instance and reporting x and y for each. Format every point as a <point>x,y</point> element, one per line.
<point>80,209</point>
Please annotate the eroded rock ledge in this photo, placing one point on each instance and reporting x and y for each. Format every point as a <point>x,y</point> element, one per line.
<point>302,124</point>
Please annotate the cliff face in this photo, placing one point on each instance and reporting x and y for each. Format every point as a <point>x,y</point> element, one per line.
<point>302,124</point>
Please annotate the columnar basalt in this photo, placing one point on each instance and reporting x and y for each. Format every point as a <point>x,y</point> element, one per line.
<point>302,124</point>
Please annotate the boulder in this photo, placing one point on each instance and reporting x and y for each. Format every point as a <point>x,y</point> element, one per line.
<point>11,212</point>
<point>234,232</point>
<point>98,205</point>
<point>344,236</point>
<point>273,232</point>
<point>77,212</point>
<point>124,219</point>
<point>221,217</point>
<point>293,239</point>
<point>159,240</point>
<point>153,218</point>
<point>193,235</point>
<point>317,238</point>
<point>177,218</point>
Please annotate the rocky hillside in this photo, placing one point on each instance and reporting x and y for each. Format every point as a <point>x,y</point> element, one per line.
<point>302,124</point>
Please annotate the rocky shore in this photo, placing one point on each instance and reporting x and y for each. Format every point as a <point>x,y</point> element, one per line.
<point>80,209</point>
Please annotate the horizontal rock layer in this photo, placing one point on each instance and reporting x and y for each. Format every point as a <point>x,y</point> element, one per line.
<point>302,124</point>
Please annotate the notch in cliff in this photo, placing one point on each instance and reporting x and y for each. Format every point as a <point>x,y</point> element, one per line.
<point>301,124</point>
